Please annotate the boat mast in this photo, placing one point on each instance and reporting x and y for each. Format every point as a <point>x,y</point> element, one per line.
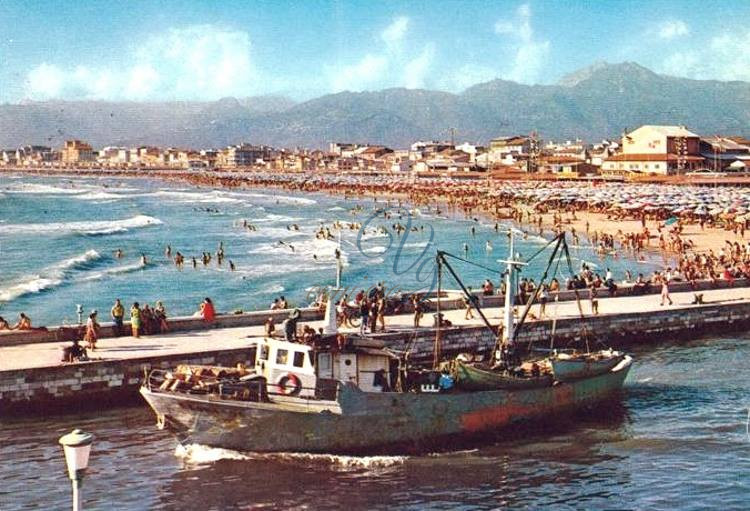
<point>510,292</point>
<point>438,340</point>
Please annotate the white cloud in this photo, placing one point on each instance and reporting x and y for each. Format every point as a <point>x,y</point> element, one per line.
<point>194,62</point>
<point>386,65</point>
<point>725,57</point>
<point>529,53</point>
<point>672,28</point>
<point>468,75</point>
<point>46,80</point>
<point>395,32</point>
<point>415,71</point>
<point>360,75</point>
<point>528,62</point>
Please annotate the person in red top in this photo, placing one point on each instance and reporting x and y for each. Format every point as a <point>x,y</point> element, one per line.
<point>208,313</point>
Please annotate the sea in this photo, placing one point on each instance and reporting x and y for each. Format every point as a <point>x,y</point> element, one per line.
<point>677,438</point>
<point>59,239</point>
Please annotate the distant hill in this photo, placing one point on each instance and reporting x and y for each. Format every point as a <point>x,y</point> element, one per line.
<point>592,103</point>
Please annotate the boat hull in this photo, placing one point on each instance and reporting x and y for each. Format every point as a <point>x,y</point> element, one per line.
<point>363,422</point>
<point>572,369</point>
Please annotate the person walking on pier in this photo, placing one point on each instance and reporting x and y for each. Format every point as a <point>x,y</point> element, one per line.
<point>118,313</point>
<point>665,290</point>
<point>468,304</point>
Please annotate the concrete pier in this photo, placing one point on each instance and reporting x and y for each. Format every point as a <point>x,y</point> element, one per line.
<point>33,380</point>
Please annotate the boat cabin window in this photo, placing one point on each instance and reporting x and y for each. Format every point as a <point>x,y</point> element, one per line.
<point>281,357</point>
<point>299,359</point>
<point>263,352</point>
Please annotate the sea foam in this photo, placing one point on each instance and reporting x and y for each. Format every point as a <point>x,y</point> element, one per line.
<point>96,227</point>
<point>48,278</point>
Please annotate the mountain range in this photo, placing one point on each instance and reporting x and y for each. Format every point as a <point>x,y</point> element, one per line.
<point>597,102</point>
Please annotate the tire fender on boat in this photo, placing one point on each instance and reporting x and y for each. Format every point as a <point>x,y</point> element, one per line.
<point>290,385</point>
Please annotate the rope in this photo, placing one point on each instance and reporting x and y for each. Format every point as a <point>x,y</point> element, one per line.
<point>586,333</point>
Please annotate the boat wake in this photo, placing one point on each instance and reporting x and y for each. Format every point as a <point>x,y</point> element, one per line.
<point>201,454</point>
<point>49,277</point>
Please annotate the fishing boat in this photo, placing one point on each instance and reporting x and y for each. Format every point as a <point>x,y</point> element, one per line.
<point>352,395</point>
<point>506,370</point>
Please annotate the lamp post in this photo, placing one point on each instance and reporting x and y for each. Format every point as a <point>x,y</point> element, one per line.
<point>79,311</point>
<point>77,446</point>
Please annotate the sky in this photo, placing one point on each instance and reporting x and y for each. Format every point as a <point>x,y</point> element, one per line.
<point>206,50</point>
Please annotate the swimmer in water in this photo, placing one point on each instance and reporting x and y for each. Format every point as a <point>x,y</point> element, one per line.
<point>488,246</point>
<point>466,248</point>
<point>231,265</point>
<point>144,261</point>
<point>118,253</point>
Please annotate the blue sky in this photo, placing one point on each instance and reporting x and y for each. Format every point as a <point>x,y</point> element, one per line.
<point>177,50</point>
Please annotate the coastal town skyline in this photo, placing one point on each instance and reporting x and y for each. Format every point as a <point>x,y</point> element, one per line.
<point>649,150</point>
<point>186,51</point>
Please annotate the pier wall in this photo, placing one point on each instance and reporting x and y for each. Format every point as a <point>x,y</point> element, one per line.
<point>96,384</point>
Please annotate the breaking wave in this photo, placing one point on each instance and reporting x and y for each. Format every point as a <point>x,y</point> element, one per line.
<point>42,189</point>
<point>128,268</point>
<point>213,197</point>
<point>49,277</point>
<point>95,228</point>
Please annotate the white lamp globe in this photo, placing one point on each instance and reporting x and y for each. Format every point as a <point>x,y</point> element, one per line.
<point>77,446</point>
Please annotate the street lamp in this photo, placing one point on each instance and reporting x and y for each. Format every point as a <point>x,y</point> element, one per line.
<point>77,446</point>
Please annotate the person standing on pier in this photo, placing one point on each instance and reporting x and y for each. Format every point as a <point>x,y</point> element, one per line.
<point>135,320</point>
<point>118,313</point>
<point>364,312</point>
<point>92,331</point>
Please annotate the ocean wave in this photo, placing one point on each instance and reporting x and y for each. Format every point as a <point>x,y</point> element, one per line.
<point>213,197</point>
<point>323,250</point>
<point>279,198</point>
<point>272,289</point>
<point>128,268</point>
<point>98,196</point>
<point>42,189</point>
<point>374,250</point>
<point>201,454</point>
<point>97,227</point>
<point>274,218</point>
<point>49,277</point>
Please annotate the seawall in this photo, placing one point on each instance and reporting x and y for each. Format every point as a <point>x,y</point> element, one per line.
<point>108,382</point>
